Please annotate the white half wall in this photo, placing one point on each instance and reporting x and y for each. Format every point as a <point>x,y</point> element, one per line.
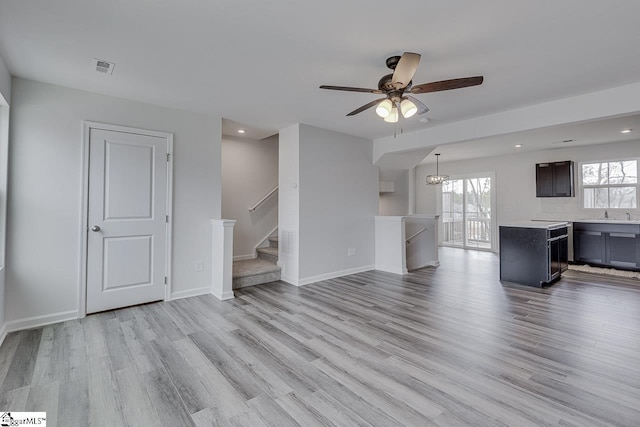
<point>249,172</point>
<point>516,182</point>
<point>45,174</point>
<point>338,203</point>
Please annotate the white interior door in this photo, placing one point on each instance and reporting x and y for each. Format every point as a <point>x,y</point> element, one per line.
<point>127,237</point>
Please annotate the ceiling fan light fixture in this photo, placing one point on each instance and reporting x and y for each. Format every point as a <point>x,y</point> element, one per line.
<point>393,115</point>
<point>408,108</point>
<point>384,108</point>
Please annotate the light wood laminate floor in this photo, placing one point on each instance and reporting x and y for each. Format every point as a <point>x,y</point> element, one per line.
<point>446,346</point>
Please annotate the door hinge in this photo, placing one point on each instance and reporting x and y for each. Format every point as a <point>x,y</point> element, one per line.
<point>168,156</point>
<point>165,280</point>
<point>166,219</point>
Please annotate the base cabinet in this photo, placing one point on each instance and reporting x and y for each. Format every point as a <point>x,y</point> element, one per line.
<point>532,256</point>
<point>609,245</point>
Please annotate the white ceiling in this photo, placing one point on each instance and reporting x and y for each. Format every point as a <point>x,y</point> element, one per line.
<point>573,135</point>
<point>261,62</point>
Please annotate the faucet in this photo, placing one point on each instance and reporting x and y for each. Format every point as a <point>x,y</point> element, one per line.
<point>606,214</point>
<point>628,216</point>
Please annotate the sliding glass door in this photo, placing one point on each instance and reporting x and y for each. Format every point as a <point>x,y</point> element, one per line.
<point>467,220</point>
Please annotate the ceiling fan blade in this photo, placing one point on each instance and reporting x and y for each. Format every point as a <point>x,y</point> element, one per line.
<point>447,85</point>
<point>421,107</point>
<point>365,107</point>
<point>351,89</point>
<point>405,69</point>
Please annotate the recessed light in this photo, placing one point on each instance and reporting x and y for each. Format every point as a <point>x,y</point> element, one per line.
<point>518,145</point>
<point>241,130</point>
<point>626,131</point>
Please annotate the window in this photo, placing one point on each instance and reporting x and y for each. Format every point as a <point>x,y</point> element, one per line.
<point>610,185</point>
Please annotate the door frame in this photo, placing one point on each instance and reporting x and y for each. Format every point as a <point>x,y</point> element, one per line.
<point>84,205</point>
<point>494,211</point>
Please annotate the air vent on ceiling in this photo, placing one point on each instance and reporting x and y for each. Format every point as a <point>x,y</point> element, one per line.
<point>103,66</point>
<point>565,141</point>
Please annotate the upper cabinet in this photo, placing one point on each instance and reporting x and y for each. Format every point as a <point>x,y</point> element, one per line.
<point>554,179</point>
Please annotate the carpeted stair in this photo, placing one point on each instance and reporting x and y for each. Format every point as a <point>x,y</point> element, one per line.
<point>263,269</point>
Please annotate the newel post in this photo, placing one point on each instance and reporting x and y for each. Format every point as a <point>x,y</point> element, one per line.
<point>222,258</point>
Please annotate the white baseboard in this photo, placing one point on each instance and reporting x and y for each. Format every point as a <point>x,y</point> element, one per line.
<point>391,269</point>
<point>36,321</point>
<point>190,293</point>
<point>334,274</point>
<point>265,241</point>
<point>290,280</point>
<point>244,257</point>
<point>224,295</point>
<point>435,263</point>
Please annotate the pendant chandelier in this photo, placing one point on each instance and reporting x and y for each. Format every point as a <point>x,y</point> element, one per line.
<point>436,179</point>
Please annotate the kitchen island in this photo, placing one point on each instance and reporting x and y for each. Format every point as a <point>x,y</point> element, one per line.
<point>533,253</point>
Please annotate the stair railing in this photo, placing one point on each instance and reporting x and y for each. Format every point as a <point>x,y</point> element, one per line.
<point>264,199</point>
<point>408,240</point>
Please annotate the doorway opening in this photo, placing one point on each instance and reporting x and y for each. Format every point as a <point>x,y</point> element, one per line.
<point>467,219</point>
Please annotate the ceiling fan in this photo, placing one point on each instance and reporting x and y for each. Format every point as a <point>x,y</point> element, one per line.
<point>397,86</point>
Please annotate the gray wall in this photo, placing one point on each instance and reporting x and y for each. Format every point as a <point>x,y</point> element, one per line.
<point>396,203</point>
<point>338,202</point>
<point>249,171</point>
<point>516,182</point>
<point>45,188</point>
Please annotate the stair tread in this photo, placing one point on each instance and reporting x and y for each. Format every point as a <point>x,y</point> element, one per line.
<point>270,251</point>
<point>273,239</point>
<point>253,267</point>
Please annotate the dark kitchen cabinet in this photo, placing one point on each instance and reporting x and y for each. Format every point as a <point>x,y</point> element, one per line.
<point>554,179</point>
<point>532,255</point>
<point>589,246</point>
<point>611,245</point>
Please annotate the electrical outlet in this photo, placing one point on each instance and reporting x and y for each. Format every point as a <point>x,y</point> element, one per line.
<point>199,265</point>
<point>351,251</point>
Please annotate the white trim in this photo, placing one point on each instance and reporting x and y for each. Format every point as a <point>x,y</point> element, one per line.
<point>37,321</point>
<point>244,257</point>
<point>190,293</point>
<point>494,210</point>
<point>391,269</point>
<point>169,209</point>
<point>84,205</point>
<point>224,295</point>
<point>431,263</point>
<point>335,274</point>
<point>3,333</point>
<point>581,186</point>
<point>266,238</point>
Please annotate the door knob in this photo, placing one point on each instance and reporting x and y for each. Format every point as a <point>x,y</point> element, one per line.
<point>95,228</point>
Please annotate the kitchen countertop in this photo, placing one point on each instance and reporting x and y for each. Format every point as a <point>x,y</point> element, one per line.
<point>609,221</point>
<point>548,225</point>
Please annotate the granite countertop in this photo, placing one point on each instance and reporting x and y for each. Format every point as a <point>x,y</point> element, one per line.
<point>548,225</point>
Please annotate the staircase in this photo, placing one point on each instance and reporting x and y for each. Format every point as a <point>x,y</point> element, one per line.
<point>263,269</point>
